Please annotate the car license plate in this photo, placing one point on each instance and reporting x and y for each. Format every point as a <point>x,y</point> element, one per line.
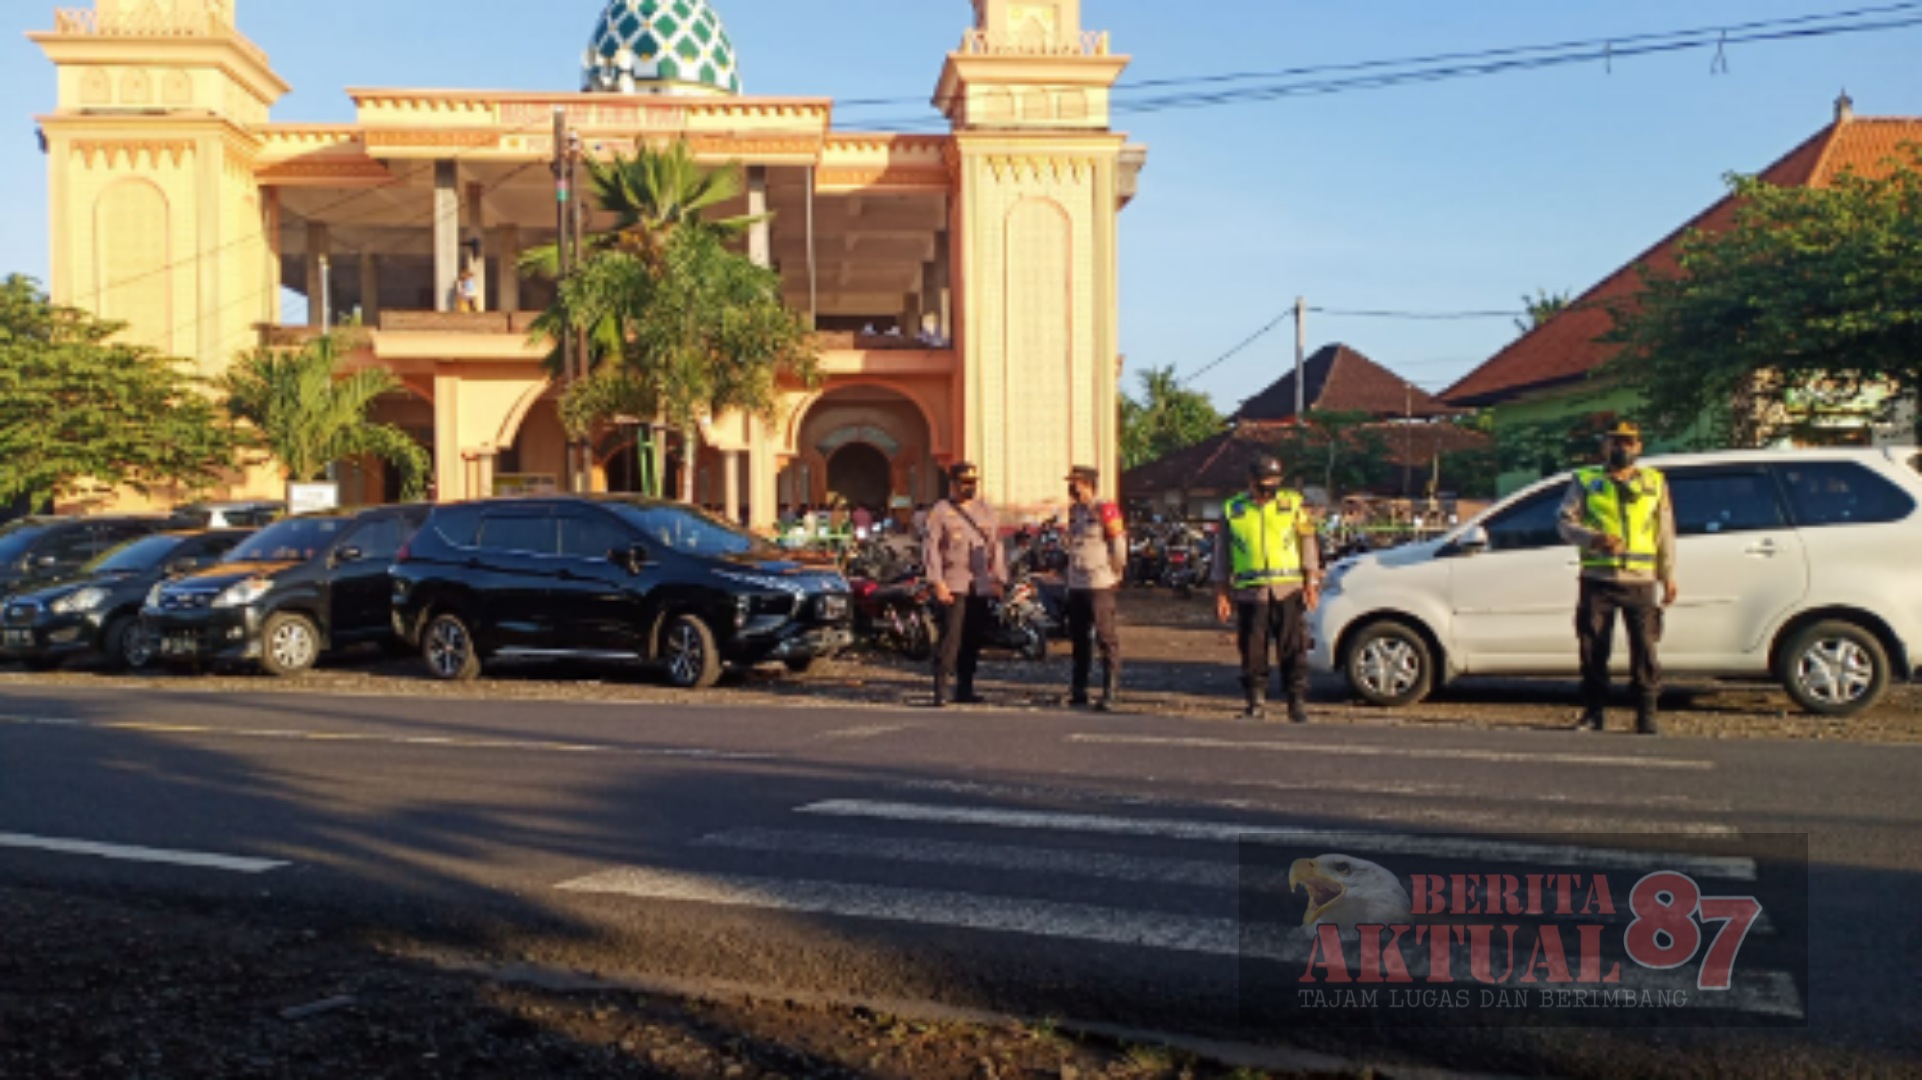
<point>17,639</point>
<point>179,646</point>
<point>834,607</point>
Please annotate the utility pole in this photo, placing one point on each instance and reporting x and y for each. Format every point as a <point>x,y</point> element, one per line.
<point>563,235</point>
<point>1301,360</point>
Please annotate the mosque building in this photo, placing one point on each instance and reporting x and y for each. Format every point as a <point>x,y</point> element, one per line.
<point>962,285</point>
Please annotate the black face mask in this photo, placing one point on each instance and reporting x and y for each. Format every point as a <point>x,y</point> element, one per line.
<point>966,491</point>
<point>1620,457</point>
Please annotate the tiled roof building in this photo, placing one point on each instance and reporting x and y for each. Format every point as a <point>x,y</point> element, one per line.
<point>1564,350</point>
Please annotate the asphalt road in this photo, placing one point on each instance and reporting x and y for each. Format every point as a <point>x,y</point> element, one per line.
<point>1035,862</point>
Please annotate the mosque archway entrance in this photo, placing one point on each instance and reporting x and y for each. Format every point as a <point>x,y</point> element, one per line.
<point>860,475</point>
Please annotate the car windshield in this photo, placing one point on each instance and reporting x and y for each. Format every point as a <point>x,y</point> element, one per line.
<point>134,557</point>
<point>689,532</point>
<point>294,540</point>
<point>17,539</point>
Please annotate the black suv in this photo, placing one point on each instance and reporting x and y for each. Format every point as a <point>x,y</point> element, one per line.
<point>98,609</point>
<point>38,550</point>
<point>296,590</point>
<point>610,578</point>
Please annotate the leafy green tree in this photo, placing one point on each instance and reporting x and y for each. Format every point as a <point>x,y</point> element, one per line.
<point>1341,452</point>
<point>1812,300</point>
<point>680,327</point>
<point>310,414</point>
<point>1168,417</point>
<point>1541,307</point>
<point>81,412</point>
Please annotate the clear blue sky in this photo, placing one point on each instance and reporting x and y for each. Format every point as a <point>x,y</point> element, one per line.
<point>1451,196</point>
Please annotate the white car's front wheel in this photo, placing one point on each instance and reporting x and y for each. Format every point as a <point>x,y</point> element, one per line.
<point>1835,669</point>
<point>1390,665</point>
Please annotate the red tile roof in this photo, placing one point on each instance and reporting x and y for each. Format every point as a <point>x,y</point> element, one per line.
<point>1339,379</point>
<point>1565,349</point>
<point>1220,465</point>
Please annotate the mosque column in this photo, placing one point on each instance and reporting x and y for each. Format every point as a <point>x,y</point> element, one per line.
<point>476,229</point>
<point>760,239</point>
<point>369,288</point>
<point>317,245</point>
<point>937,289</point>
<point>731,484</point>
<point>446,233</point>
<point>507,248</point>
<point>763,477</point>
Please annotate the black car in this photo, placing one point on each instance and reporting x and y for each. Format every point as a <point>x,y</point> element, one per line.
<point>610,578</point>
<point>37,550</point>
<point>98,609</point>
<point>293,592</point>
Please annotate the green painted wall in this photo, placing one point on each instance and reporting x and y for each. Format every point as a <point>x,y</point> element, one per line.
<point>1573,405</point>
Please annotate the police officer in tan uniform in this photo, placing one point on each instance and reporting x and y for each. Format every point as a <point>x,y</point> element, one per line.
<point>1097,556</point>
<point>968,566</point>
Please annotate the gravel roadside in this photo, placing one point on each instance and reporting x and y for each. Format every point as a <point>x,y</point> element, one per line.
<point>105,987</point>
<point>1180,664</point>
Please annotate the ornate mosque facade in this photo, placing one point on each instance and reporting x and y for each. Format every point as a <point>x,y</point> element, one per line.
<point>963,285</point>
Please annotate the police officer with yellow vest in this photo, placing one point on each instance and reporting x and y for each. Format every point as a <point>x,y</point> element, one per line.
<point>1267,579</point>
<point>1622,519</point>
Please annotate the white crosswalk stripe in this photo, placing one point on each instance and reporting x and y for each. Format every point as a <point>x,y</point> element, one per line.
<point>1183,891</point>
<point>1500,757</point>
<point>1319,840</point>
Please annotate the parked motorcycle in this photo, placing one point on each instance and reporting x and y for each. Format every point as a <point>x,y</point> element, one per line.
<point>897,617</point>
<point>1020,622</point>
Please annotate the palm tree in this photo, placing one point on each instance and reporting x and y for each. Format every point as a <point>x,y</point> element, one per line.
<point>680,328</point>
<point>309,415</point>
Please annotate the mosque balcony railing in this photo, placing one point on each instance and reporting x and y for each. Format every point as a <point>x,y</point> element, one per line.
<point>520,325</point>
<point>987,43</point>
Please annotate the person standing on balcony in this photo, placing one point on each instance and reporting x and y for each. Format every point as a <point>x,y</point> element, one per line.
<point>968,567</point>
<point>467,294</point>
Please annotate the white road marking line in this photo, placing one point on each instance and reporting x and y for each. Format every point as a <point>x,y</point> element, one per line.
<point>1755,991</point>
<point>1393,789</point>
<point>235,863</point>
<point>1420,753</point>
<point>972,911</point>
<point>872,731</point>
<point>286,734</point>
<point>1315,840</point>
<point>1200,873</point>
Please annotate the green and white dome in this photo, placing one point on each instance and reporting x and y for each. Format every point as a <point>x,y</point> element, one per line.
<point>661,47</point>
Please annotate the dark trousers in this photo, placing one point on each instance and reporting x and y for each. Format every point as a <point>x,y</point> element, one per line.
<point>964,626</point>
<point>1091,624</point>
<point>1282,626</point>
<point>1595,631</point>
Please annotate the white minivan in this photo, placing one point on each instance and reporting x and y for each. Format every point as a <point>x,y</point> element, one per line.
<point>1801,566</point>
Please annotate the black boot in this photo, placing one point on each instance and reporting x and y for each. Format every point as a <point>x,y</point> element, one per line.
<point>940,692</point>
<point>1297,709</point>
<point>1257,702</point>
<point>965,695</point>
<point>1110,689</point>
<point>1645,719</point>
<point>1593,719</point>
<point>1078,696</point>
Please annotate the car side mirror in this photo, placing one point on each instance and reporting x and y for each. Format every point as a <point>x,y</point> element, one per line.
<point>348,554</point>
<point>1472,542</point>
<point>629,559</point>
<point>183,567</point>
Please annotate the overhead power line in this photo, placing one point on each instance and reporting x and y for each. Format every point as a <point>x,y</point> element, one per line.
<point>1384,73</point>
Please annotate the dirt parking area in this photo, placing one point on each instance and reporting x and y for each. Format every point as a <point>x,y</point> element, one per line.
<point>1180,663</point>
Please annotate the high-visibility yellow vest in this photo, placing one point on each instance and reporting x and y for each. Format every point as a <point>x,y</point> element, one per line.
<point>1264,540</point>
<point>1635,520</point>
